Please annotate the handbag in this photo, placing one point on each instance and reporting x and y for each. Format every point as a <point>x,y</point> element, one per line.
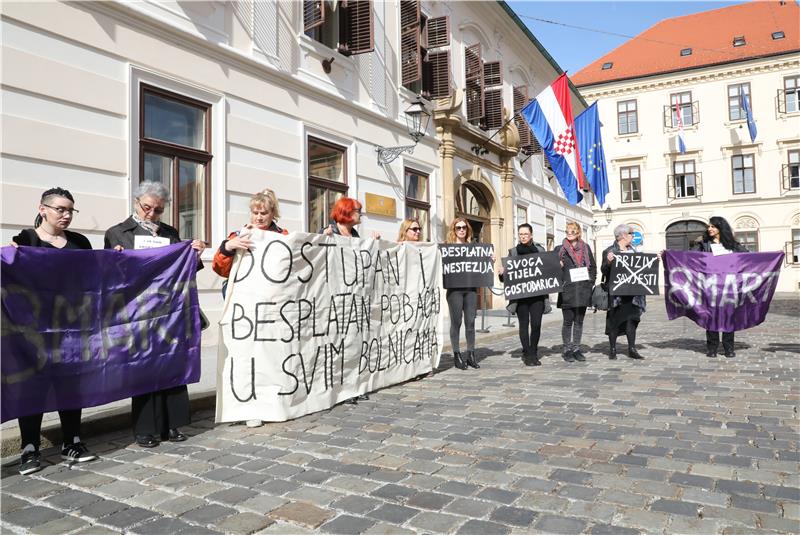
<point>599,297</point>
<point>512,307</point>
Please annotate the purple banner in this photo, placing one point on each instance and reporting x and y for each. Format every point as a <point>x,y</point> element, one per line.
<point>83,328</point>
<point>720,293</point>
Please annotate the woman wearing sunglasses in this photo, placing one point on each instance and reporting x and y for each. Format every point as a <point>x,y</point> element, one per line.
<point>157,414</point>
<point>56,209</point>
<point>462,302</point>
<point>410,230</point>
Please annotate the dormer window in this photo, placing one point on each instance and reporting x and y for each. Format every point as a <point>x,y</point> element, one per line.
<point>778,35</point>
<point>608,65</point>
<point>739,40</point>
<point>686,52</point>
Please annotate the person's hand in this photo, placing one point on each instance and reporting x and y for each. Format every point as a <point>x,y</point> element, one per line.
<point>238,243</point>
<point>14,244</point>
<point>198,246</point>
<point>376,235</point>
<point>494,258</point>
<point>610,256</point>
<point>561,262</point>
<point>501,270</point>
<point>118,248</point>
<point>328,230</point>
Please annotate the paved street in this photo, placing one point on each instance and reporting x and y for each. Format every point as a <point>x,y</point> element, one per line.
<point>678,443</point>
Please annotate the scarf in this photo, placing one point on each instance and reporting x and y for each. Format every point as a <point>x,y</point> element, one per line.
<point>579,254</point>
<point>149,226</point>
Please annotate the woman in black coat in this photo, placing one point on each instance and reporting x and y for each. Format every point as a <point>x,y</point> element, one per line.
<point>529,310</point>
<point>161,413</point>
<point>577,259</point>
<point>719,234</point>
<point>624,312</point>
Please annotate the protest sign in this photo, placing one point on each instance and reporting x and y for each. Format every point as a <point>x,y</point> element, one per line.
<point>311,321</point>
<point>634,274</point>
<point>83,328</point>
<point>531,275</point>
<point>720,293</point>
<point>467,265</point>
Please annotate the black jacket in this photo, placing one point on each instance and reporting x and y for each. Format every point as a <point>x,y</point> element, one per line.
<point>515,251</point>
<point>577,294</point>
<point>123,234</point>
<point>705,247</point>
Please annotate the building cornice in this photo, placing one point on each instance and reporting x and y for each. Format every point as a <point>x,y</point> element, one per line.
<point>688,77</point>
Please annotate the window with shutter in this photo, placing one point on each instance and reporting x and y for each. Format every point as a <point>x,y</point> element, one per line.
<point>473,67</point>
<point>439,77</point>
<point>358,27</point>
<point>525,135</point>
<point>493,103</point>
<point>492,73</point>
<point>313,14</point>
<point>410,56</point>
<point>438,32</point>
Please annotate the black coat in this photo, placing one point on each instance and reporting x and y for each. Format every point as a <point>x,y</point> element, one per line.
<point>576,294</point>
<point>705,247</point>
<point>123,234</point>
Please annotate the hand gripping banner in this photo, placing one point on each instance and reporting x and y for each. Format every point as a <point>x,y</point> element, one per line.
<point>311,321</point>
<point>724,293</point>
<point>83,328</point>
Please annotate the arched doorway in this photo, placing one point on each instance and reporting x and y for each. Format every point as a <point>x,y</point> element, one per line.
<point>474,206</point>
<point>682,235</point>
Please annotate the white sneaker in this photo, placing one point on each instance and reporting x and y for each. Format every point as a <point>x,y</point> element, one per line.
<point>254,423</point>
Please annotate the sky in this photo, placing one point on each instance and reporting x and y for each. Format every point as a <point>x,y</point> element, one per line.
<point>574,48</point>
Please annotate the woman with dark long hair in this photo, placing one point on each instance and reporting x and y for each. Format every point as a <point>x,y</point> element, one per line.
<point>580,270</point>
<point>719,234</point>
<point>56,210</point>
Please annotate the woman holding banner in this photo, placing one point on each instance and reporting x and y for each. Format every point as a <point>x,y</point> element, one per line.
<point>580,271</point>
<point>410,230</point>
<point>624,312</point>
<point>529,310</point>
<point>462,302</point>
<point>56,209</point>
<point>719,239</point>
<point>264,211</point>
<point>161,413</point>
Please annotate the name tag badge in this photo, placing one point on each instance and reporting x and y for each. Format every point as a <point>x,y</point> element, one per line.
<point>579,274</point>
<point>718,249</point>
<point>149,242</point>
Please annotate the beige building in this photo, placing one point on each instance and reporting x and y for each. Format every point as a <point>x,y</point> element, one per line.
<point>698,66</point>
<point>221,99</point>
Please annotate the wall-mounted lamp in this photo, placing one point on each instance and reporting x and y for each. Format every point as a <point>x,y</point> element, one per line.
<point>417,118</point>
<point>609,215</point>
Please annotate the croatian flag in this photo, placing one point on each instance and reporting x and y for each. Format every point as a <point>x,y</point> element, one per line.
<point>681,133</point>
<point>550,118</point>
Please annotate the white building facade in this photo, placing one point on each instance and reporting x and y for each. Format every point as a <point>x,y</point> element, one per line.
<point>219,100</point>
<point>669,196</point>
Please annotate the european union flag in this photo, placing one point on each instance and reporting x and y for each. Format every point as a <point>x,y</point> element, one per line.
<point>590,147</point>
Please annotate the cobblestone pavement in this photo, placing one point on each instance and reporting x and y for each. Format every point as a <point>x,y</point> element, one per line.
<point>678,443</point>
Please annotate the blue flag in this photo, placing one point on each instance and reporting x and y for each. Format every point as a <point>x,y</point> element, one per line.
<point>748,111</point>
<point>590,148</point>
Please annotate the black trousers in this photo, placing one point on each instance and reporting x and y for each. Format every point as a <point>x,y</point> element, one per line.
<point>30,427</point>
<point>712,340</point>
<point>529,315</point>
<point>158,412</point>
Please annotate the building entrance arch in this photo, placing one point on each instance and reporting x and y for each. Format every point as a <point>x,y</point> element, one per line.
<point>475,205</point>
<point>681,235</point>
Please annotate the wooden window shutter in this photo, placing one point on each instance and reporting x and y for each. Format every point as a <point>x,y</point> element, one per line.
<point>525,135</point>
<point>473,63</point>
<point>410,55</point>
<point>439,65</point>
<point>494,109</point>
<point>359,35</point>
<point>492,73</point>
<point>438,32</point>
<point>313,14</point>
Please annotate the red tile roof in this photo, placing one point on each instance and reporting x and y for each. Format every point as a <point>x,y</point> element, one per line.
<point>709,34</point>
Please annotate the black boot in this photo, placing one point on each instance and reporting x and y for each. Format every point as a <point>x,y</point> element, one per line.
<point>729,352</point>
<point>633,354</point>
<point>612,349</point>
<point>711,351</point>
<point>458,361</point>
<point>471,360</point>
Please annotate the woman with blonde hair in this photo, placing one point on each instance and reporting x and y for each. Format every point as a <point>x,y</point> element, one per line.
<point>410,230</point>
<point>580,271</point>
<point>462,302</point>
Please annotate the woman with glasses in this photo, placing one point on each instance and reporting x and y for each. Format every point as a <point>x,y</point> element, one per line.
<point>624,312</point>
<point>719,236</point>
<point>56,209</point>
<point>157,414</point>
<point>462,302</point>
<point>580,271</point>
<point>410,230</point>
<point>529,310</point>
<point>264,212</point>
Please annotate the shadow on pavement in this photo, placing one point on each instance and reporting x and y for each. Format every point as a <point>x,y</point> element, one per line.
<point>774,347</point>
